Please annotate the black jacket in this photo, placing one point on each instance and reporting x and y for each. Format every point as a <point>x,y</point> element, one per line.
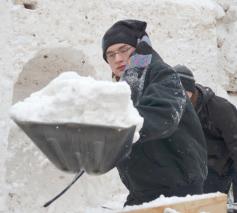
<point>172,149</point>
<point>219,122</point>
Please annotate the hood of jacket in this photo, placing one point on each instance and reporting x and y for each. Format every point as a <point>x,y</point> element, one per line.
<point>204,95</point>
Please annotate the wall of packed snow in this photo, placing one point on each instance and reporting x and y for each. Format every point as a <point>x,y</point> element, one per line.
<point>41,38</point>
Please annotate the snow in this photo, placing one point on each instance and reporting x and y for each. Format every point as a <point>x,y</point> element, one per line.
<point>171,200</point>
<point>169,210</point>
<point>71,98</point>
<point>161,201</point>
<point>198,34</point>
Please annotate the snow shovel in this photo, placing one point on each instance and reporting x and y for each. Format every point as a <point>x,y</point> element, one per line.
<point>79,148</point>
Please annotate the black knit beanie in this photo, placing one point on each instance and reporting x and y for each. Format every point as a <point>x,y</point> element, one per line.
<point>186,77</point>
<point>124,31</point>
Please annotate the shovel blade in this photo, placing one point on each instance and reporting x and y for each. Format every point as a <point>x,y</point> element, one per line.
<point>75,147</point>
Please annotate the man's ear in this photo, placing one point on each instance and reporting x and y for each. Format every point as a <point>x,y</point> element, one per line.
<point>189,94</point>
<point>143,48</point>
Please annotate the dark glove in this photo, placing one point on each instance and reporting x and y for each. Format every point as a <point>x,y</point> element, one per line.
<point>132,76</point>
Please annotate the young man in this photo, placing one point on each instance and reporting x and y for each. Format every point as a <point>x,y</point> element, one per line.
<point>170,157</point>
<point>219,122</point>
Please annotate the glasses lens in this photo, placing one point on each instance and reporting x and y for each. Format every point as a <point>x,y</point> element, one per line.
<point>122,51</point>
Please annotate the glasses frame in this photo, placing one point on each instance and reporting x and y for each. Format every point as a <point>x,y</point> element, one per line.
<point>111,55</point>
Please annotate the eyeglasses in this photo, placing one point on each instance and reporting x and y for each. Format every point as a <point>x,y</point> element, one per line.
<point>123,51</point>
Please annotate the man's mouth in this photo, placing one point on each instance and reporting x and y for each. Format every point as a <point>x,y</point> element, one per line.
<point>121,68</point>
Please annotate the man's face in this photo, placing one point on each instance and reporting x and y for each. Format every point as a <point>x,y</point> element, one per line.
<point>118,56</point>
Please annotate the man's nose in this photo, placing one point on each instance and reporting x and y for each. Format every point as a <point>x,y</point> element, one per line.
<point>118,57</point>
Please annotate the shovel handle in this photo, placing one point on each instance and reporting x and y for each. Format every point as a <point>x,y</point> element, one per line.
<point>62,192</point>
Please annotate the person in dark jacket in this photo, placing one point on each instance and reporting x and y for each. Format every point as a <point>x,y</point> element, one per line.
<point>219,122</point>
<point>170,157</point>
